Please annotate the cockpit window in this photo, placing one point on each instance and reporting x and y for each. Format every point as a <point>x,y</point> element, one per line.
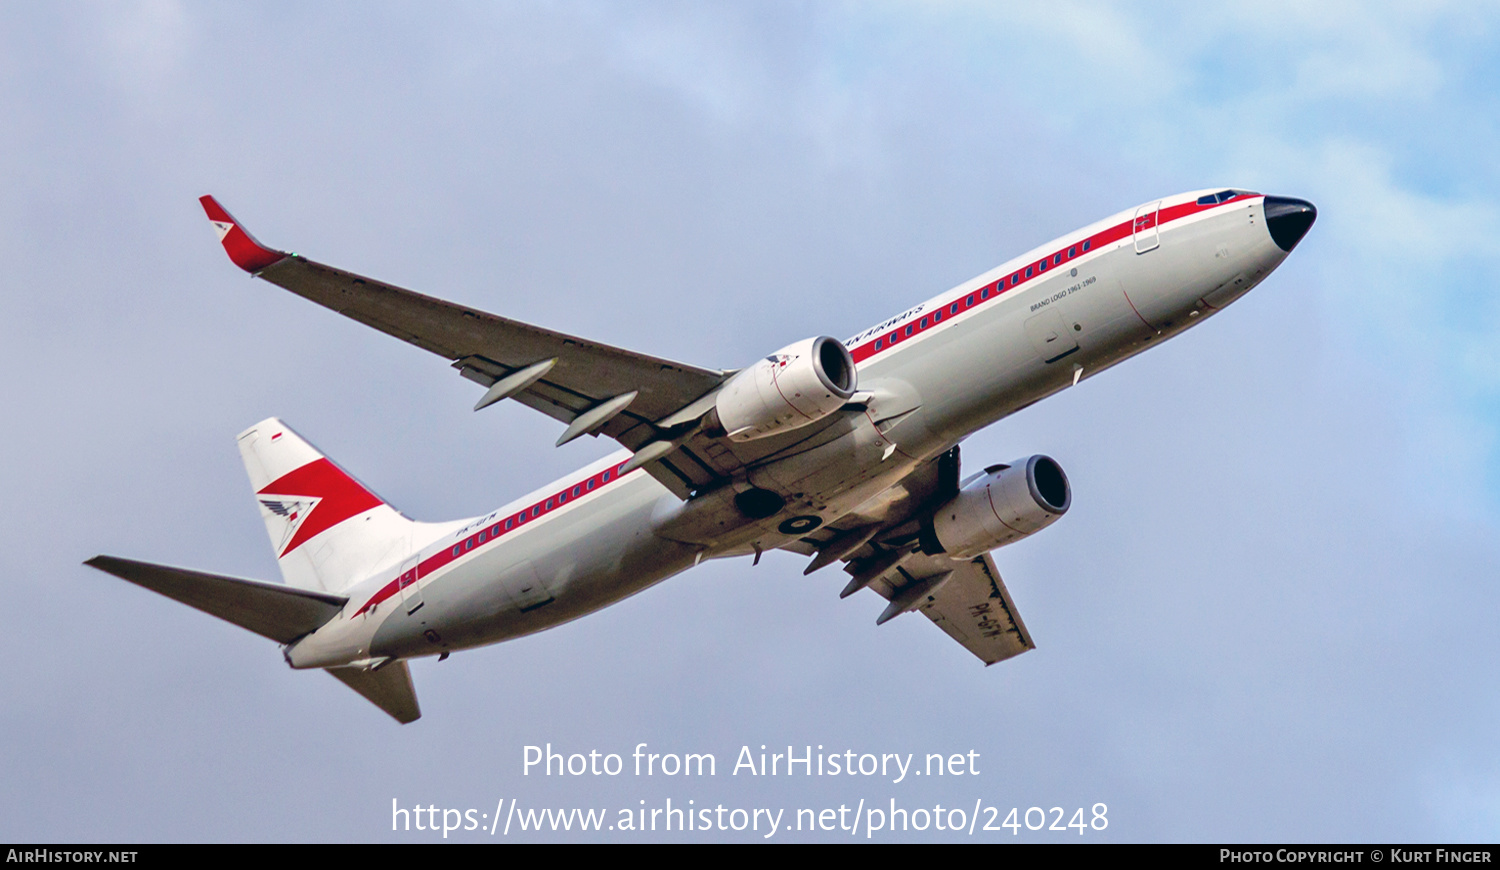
<point>1223,196</point>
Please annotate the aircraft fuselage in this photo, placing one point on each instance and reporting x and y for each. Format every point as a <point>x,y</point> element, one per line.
<point>928,377</point>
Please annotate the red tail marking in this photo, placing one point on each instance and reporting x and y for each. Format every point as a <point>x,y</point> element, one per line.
<point>342,497</point>
<point>242,247</point>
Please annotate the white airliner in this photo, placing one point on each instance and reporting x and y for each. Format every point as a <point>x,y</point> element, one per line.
<point>842,451</point>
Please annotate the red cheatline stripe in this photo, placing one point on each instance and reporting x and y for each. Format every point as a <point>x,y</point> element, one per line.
<point>1039,267</point>
<point>480,538</point>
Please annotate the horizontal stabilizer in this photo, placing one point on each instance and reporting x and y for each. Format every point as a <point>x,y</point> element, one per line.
<point>271,610</point>
<point>388,688</point>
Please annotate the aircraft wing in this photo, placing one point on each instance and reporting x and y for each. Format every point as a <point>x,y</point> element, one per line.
<point>650,405</point>
<point>967,600</point>
<point>972,605</point>
<point>606,390</point>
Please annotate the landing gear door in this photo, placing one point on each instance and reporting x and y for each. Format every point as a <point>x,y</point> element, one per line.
<point>411,590</point>
<point>1147,233</point>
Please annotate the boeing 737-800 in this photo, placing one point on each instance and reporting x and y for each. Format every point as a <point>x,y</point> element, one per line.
<point>841,451</point>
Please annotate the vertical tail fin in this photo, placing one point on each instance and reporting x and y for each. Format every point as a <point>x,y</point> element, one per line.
<point>328,530</point>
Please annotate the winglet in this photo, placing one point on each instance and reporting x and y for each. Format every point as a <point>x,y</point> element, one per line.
<point>242,247</point>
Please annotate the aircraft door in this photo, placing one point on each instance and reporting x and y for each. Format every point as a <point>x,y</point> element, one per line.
<point>1147,233</point>
<point>411,590</point>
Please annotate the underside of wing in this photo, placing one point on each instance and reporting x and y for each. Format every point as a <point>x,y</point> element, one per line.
<point>486,348</point>
<point>972,606</point>
<point>653,406</point>
<point>885,552</point>
<point>613,391</point>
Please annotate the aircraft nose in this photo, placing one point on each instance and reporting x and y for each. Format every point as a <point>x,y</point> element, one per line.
<point>1289,220</point>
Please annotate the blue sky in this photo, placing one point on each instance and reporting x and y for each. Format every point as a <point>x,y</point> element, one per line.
<point>1269,615</point>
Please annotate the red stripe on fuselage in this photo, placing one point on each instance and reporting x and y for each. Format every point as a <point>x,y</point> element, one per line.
<point>478,538</point>
<point>994,290</point>
<point>341,498</point>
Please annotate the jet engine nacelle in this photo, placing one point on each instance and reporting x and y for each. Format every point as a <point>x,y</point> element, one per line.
<point>1009,503</point>
<point>799,384</point>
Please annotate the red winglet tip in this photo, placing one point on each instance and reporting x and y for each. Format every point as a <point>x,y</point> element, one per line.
<point>241,247</point>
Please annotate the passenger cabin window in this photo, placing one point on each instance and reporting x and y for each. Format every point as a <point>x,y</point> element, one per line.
<point>1056,258</point>
<point>908,329</point>
<point>953,309</point>
<point>591,483</point>
<point>1028,271</point>
<point>510,524</point>
<point>985,293</point>
<point>1072,252</point>
<point>937,316</point>
<point>924,323</point>
<point>1086,245</point>
<point>879,343</point>
<point>606,477</point>
<point>458,549</point>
